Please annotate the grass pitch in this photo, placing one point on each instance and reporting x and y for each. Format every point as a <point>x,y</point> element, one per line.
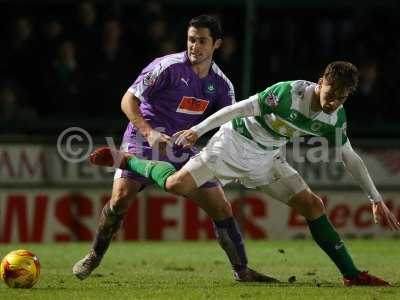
<point>199,270</point>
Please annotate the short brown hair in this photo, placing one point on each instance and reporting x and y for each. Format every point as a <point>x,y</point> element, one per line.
<point>210,22</point>
<point>343,74</point>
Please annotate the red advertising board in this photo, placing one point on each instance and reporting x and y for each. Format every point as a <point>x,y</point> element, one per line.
<point>57,215</point>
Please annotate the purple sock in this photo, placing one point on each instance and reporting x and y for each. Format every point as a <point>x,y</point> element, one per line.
<point>230,239</point>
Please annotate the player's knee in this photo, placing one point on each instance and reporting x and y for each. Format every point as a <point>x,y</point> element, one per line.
<point>120,200</point>
<point>308,204</point>
<point>318,207</point>
<point>181,183</point>
<point>223,210</point>
<point>314,206</point>
<point>175,185</point>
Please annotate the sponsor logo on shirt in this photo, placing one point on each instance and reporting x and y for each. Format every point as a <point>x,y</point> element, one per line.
<point>192,106</point>
<point>185,81</point>
<point>271,100</point>
<point>293,115</point>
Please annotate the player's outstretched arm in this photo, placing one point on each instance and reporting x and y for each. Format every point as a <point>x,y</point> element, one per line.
<point>355,165</point>
<point>244,108</point>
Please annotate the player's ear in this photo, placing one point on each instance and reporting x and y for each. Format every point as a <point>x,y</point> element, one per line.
<point>217,43</point>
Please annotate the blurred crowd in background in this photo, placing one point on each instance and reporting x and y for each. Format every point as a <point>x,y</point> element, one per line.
<point>71,62</point>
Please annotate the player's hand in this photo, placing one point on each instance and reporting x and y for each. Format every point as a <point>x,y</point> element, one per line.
<point>382,214</point>
<point>186,138</point>
<point>159,140</point>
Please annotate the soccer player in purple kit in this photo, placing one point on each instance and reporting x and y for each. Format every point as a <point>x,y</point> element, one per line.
<point>173,93</point>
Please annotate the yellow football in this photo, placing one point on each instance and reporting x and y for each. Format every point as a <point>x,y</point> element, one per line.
<point>20,269</point>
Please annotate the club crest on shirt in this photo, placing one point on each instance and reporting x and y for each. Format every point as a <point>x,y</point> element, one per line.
<point>316,126</point>
<point>271,100</point>
<point>210,88</point>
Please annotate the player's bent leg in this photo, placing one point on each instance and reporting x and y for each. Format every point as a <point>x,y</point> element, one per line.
<point>214,202</point>
<point>312,208</point>
<point>158,171</point>
<point>109,222</point>
<point>293,191</point>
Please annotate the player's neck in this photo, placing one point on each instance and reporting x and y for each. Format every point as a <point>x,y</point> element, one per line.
<point>202,68</point>
<point>315,101</point>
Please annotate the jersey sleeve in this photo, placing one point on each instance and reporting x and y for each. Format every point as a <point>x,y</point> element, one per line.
<point>272,96</point>
<point>338,135</point>
<point>153,78</point>
<point>227,96</point>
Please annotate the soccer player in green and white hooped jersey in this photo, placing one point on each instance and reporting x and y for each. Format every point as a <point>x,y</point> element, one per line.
<point>285,112</point>
<point>248,148</point>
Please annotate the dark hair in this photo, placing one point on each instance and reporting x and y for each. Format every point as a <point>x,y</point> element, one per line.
<point>343,74</point>
<point>210,22</point>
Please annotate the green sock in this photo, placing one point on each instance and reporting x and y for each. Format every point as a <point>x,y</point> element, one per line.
<point>329,240</point>
<point>158,171</point>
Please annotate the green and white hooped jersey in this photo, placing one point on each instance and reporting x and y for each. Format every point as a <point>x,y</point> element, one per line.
<point>286,113</point>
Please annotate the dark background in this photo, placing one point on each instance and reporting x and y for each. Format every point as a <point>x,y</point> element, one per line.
<point>68,63</point>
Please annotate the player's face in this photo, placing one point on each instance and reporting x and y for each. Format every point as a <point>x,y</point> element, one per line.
<point>200,45</point>
<point>331,97</point>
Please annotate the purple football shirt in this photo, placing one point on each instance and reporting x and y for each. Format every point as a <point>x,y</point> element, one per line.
<point>174,98</point>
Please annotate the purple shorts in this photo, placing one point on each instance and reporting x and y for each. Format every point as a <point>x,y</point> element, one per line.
<point>176,156</point>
